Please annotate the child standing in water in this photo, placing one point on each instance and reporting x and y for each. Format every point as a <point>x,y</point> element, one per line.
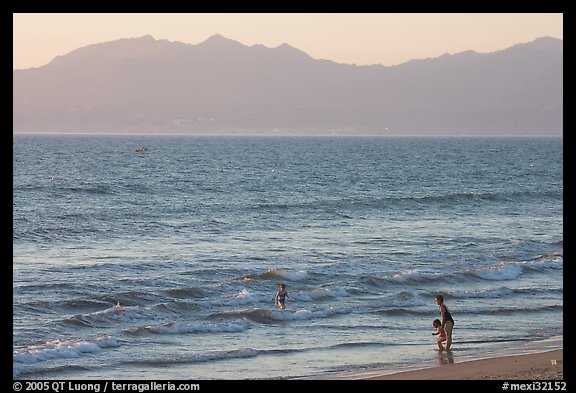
<point>281,296</point>
<point>440,332</point>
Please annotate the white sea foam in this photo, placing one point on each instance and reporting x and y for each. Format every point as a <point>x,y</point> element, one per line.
<point>242,297</point>
<point>62,349</point>
<point>548,261</point>
<point>500,272</point>
<point>415,275</point>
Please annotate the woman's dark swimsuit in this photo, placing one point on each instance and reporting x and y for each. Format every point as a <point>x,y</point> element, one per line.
<point>447,315</point>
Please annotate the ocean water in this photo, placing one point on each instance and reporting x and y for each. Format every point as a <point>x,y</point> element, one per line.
<point>164,264</point>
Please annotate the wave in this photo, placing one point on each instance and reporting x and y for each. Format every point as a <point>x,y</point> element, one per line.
<point>19,371</point>
<point>175,307</point>
<point>184,293</point>
<point>55,188</point>
<point>256,314</point>
<point>82,304</point>
<point>113,315</point>
<point>388,202</point>
<point>551,260</point>
<point>263,316</point>
<point>56,233</point>
<point>92,189</point>
<point>404,299</point>
<point>244,296</point>
<point>489,196</point>
<point>502,292</point>
<point>360,344</point>
<point>402,311</point>
<point>498,272</point>
<point>493,293</point>
<point>62,349</point>
<point>275,274</point>
<point>501,271</point>
<point>319,294</point>
<point>416,275</point>
<point>516,310</point>
<point>42,305</point>
<point>405,277</point>
<point>197,357</point>
<point>45,286</point>
<point>199,327</point>
<point>512,270</point>
<point>131,298</point>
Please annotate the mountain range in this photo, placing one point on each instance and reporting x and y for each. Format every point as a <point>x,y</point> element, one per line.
<point>221,86</point>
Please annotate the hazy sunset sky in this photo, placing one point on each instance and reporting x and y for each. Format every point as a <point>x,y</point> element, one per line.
<point>344,38</point>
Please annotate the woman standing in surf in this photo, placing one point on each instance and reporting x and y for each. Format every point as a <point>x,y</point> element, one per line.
<point>447,320</point>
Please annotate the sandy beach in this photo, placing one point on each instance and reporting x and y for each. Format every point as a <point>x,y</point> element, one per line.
<point>535,367</point>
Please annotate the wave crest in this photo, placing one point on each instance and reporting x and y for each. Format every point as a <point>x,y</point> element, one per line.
<point>62,349</point>
<point>274,274</point>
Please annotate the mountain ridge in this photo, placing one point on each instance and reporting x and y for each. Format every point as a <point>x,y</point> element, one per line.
<point>218,39</point>
<point>223,86</point>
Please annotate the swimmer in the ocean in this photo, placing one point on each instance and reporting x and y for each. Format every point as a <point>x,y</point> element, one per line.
<point>281,296</point>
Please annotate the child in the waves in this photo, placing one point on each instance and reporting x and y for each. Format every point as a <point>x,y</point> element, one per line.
<point>440,332</point>
<point>281,296</point>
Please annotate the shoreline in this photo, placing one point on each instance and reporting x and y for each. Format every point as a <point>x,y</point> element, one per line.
<point>536,360</point>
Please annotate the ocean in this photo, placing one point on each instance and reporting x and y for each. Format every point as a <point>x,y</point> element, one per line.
<point>164,263</point>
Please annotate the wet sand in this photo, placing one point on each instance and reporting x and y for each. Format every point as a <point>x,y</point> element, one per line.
<point>534,367</point>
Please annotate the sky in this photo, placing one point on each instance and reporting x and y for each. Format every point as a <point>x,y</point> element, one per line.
<point>374,38</point>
